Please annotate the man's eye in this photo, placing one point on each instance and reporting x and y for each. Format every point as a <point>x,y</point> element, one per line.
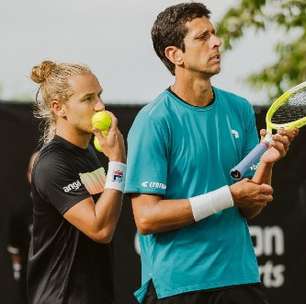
<point>205,37</point>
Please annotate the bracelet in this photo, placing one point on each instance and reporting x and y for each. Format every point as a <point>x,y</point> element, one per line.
<point>210,203</point>
<point>115,178</point>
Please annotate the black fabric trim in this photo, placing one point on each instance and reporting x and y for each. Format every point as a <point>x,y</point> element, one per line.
<point>184,101</point>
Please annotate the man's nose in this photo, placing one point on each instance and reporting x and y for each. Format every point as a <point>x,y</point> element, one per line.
<point>215,41</point>
<point>99,106</point>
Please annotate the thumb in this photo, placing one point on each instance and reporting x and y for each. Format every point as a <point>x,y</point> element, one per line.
<point>265,188</point>
<point>263,132</point>
<point>98,134</point>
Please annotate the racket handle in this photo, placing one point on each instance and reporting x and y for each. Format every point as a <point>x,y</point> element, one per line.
<point>251,159</point>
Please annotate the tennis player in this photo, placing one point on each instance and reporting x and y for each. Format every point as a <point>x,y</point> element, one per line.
<point>191,217</point>
<point>76,208</point>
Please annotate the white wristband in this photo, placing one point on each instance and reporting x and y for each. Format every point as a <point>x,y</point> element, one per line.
<point>210,203</point>
<point>115,178</point>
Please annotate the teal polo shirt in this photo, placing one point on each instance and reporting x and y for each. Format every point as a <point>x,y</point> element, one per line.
<point>178,151</point>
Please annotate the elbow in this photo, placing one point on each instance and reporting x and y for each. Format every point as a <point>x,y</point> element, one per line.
<point>144,226</point>
<point>105,236</point>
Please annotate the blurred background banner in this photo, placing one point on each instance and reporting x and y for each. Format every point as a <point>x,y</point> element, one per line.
<point>278,233</point>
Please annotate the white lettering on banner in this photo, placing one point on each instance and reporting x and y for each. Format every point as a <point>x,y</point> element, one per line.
<point>73,186</point>
<point>269,241</point>
<point>272,275</point>
<point>265,238</point>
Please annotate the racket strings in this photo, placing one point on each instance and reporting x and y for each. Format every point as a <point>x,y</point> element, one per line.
<point>292,110</point>
<point>298,99</point>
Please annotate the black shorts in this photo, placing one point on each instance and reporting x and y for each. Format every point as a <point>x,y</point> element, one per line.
<point>240,294</point>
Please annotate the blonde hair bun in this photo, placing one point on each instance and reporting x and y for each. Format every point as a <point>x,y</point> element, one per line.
<point>41,72</point>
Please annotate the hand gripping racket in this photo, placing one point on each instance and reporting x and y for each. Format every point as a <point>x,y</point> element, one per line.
<point>287,111</point>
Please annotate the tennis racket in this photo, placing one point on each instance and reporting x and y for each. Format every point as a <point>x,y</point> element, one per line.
<point>287,111</point>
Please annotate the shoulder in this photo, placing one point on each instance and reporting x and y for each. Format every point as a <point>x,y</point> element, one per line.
<point>153,121</point>
<point>232,98</point>
<point>53,159</point>
<point>234,102</point>
<point>157,111</point>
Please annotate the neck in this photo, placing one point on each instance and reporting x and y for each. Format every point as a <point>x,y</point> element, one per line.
<point>76,137</point>
<point>194,90</point>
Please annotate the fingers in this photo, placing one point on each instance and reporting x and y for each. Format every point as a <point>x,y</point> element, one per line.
<point>264,194</point>
<point>289,133</point>
<point>114,125</point>
<point>262,188</point>
<point>265,189</point>
<point>263,199</point>
<point>281,143</point>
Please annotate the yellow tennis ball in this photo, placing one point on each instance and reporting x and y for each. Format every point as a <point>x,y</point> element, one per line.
<point>101,120</point>
<point>97,144</point>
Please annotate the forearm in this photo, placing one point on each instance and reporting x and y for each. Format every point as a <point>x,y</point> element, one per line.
<point>263,175</point>
<point>107,211</point>
<point>154,214</point>
<point>164,215</point>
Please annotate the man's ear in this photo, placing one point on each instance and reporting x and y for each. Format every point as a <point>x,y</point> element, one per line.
<point>58,108</point>
<point>175,55</point>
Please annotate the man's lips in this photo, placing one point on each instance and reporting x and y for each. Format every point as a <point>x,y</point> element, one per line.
<point>216,57</point>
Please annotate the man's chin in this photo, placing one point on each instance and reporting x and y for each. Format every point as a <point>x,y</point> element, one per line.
<point>214,71</point>
<point>86,132</point>
<point>211,73</point>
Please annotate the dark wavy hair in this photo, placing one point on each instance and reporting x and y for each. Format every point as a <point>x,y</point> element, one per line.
<point>169,28</point>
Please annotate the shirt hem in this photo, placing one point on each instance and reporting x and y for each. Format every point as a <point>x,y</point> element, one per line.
<point>199,287</point>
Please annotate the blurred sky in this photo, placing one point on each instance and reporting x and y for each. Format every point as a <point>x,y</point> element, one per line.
<point>113,38</point>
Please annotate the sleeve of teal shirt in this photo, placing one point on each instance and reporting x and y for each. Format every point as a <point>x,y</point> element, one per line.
<point>251,136</point>
<point>147,156</point>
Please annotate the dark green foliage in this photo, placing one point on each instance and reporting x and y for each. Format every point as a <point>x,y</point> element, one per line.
<point>289,68</point>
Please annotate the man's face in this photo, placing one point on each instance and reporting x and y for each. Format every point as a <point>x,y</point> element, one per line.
<point>201,47</point>
<point>84,102</point>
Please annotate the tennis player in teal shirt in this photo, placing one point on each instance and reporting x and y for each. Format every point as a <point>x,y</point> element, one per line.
<point>191,217</point>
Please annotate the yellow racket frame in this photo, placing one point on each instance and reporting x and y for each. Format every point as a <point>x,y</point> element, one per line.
<point>277,104</point>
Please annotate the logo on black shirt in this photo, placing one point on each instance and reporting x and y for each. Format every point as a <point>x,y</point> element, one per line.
<point>73,186</point>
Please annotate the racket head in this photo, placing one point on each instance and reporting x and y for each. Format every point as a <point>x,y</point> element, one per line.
<point>289,110</point>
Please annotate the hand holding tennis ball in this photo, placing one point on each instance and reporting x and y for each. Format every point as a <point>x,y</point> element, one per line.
<point>101,121</point>
<point>108,138</point>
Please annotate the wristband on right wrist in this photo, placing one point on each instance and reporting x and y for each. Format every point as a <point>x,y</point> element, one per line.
<point>115,178</point>
<point>210,203</point>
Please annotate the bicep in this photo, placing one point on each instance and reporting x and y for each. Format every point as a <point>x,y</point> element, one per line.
<point>155,214</point>
<point>143,204</point>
